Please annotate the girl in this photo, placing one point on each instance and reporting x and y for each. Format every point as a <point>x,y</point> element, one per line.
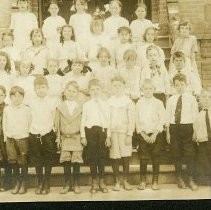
<point>55,81</point>
<point>97,39</point>
<point>5,71</point>
<point>79,73</point>
<point>122,125</point>
<point>103,71</point>
<point>22,23</point>
<point>37,54</point>
<point>124,34</point>
<point>81,23</point>
<point>69,49</point>
<point>187,44</point>
<point>115,21</point>
<point>148,37</point>
<point>25,81</point>
<point>52,25</point>
<point>68,121</point>
<point>131,74</point>
<point>139,25</point>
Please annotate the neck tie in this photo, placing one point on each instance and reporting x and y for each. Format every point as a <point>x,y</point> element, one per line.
<point>178,110</point>
<point>208,125</point>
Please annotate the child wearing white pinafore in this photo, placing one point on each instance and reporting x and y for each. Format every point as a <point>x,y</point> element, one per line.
<point>22,23</point>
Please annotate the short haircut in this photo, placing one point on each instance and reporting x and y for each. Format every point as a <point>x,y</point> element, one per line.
<point>53,2</point>
<point>61,34</point>
<point>179,54</point>
<point>142,5</point>
<point>130,55</point>
<point>124,28</point>
<point>118,78</point>
<point>96,21</point>
<point>78,60</point>
<point>83,2</point>
<point>8,33</point>
<point>146,31</point>
<point>152,47</point>
<point>116,1</point>
<point>40,80</point>
<point>8,63</point>
<point>180,77</point>
<point>3,89</point>
<point>184,23</point>
<point>103,50</point>
<point>17,89</point>
<point>23,1</point>
<point>72,83</point>
<point>94,82</point>
<point>147,81</point>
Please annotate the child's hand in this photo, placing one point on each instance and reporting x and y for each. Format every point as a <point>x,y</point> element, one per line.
<point>152,138</point>
<point>145,137</point>
<point>58,145</point>
<point>108,142</point>
<point>168,137</point>
<point>83,141</point>
<point>128,140</point>
<point>194,137</point>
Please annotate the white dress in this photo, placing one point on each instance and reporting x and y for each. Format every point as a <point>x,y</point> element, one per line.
<point>81,25</point>
<point>23,24</point>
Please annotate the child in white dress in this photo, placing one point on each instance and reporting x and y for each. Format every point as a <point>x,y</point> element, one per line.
<point>115,21</point>
<point>139,25</point>
<point>81,23</point>
<point>22,23</point>
<point>52,26</point>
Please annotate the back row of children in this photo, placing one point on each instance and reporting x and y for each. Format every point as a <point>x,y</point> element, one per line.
<point>113,48</point>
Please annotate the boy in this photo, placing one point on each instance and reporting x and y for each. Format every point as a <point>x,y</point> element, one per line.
<point>150,119</point>
<point>202,135</point>
<point>16,123</point>
<point>42,137</point>
<point>193,80</point>
<point>181,111</point>
<point>122,114</point>
<point>95,133</point>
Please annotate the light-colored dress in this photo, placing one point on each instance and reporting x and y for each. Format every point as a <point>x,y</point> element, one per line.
<point>6,81</point>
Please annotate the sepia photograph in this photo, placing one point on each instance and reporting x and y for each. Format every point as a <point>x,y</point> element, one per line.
<point>105,100</point>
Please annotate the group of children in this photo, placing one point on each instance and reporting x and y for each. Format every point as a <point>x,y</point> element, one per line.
<point>91,86</point>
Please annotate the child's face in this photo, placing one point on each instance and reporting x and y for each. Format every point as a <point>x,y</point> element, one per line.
<point>118,87</point>
<point>7,41</point>
<point>150,36</point>
<point>41,90</point>
<point>97,28</point>
<point>3,62</point>
<point>124,36</point>
<point>2,96</point>
<point>25,68</point>
<point>148,90</point>
<point>153,56</point>
<point>16,99</point>
<point>67,33</point>
<point>184,31</point>
<point>179,63</point>
<point>180,86</point>
<point>23,6</point>
<point>37,38</point>
<point>130,63</point>
<point>53,9</point>
<point>103,58</point>
<point>114,8</point>
<point>77,67</point>
<point>52,67</point>
<point>141,12</point>
<point>79,6</point>
<point>95,91</point>
<point>70,92</point>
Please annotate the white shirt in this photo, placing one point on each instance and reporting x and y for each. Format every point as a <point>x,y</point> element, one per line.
<point>138,28</point>
<point>6,81</point>
<point>43,113</point>
<point>13,52</point>
<point>189,109</point>
<point>150,115</point>
<point>112,24</point>
<point>95,113</point>
<point>16,121</point>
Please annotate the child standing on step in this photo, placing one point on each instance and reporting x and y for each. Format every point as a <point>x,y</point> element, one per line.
<point>95,133</point>
<point>181,111</point>
<point>16,124</point>
<point>42,145</point>
<point>150,120</point>
<point>68,121</point>
<point>122,114</point>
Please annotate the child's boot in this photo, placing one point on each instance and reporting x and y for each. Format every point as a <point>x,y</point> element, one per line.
<point>180,183</point>
<point>66,188</point>
<point>193,186</point>
<point>155,185</point>
<point>126,185</point>
<point>76,188</point>
<point>17,187</point>
<point>142,185</point>
<point>102,186</point>
<point>117,185</point>
<point>39,188</point>
<point>94,187</point>
<point>46,187</point>
<point>22,187</point>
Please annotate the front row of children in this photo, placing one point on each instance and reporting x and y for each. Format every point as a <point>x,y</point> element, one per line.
<point>32,132</point>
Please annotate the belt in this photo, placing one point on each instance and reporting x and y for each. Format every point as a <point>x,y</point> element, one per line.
<point>70,135</point>
<point>39,136</point>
